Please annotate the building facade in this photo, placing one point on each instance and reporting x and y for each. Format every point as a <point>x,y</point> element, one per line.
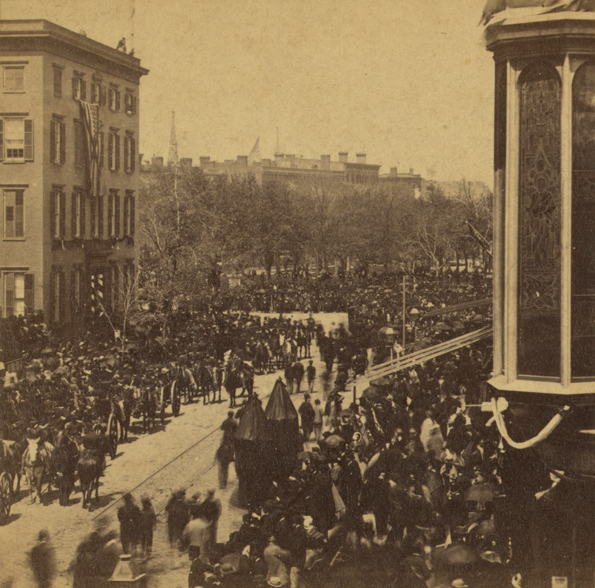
<point>287,167</point>
<point>69,127</point>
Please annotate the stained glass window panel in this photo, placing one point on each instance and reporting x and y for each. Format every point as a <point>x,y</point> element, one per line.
<point>539,223</point>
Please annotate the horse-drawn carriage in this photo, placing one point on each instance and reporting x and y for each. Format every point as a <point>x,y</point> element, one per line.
<point>170,396</point>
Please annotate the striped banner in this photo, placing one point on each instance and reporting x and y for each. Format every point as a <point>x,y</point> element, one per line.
<point>90,116</point>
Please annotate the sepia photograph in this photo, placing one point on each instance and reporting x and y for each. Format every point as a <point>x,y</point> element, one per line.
<point>297,294</point>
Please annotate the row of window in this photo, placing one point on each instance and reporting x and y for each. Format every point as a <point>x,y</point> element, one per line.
<point>16,144</point>
<point>100,290</point>
<point>119,221</point>
<point>115,145</point>
<point>99,94</point>
<point>14,83</point>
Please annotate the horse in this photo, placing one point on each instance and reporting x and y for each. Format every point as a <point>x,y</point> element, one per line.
<point>36,464</point>
<point>122,411</point>
<point>289,351</point>
<point>147,406</point>
<point>303,345</point>
<point>246,373</point>
<point>65,465</point>
<point>261,357</point>
<point>89,469</point>
<point>185,382</point>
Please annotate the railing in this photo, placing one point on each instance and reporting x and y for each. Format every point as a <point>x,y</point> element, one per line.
<point>407,361</point>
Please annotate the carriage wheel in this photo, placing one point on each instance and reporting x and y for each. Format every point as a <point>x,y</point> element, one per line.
<point>175,400</point>
<point>162,403</point>
<point>113,434</point>
<point>5,496</point>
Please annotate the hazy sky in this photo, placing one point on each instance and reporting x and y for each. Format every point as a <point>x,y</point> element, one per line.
<point>406,81</point>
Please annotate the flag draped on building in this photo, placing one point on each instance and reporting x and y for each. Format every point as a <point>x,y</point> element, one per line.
<point>90,116</point>
<point>254,155</point>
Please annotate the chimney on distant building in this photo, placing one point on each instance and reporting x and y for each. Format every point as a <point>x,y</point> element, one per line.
<point>394,171</point>
<point>157,161</point>
<point>361,157</point>
<point>410,171</point>
<point>291,159</point>
<point>243,160</point>
<point>343,156</point>
<point>279,157</point>
<point>186,161</point>
<point>204,161</point>
<point>266,163</point>
<point>325,162</point>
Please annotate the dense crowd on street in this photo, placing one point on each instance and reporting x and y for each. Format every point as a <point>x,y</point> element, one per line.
<point>409,470</point>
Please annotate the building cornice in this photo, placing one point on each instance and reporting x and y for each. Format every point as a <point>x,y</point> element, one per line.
<point>35,36</point>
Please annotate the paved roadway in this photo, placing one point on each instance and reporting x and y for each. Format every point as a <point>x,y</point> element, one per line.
<point>196,434</point>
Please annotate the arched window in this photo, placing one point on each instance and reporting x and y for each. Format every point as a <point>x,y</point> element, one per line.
<point>539,222</point>
<point>583,223</point>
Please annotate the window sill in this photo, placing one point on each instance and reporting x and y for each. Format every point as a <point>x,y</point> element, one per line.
<point>14,161</point>
<point>15,92</point>
<point>14,239</point>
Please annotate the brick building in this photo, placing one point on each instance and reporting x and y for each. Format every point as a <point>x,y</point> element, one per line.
<point>69,126</point>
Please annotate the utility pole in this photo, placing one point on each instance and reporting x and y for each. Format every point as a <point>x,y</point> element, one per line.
<point>404,314</point>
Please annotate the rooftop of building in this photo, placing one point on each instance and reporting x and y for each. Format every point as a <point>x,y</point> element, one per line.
<point>18,35</point>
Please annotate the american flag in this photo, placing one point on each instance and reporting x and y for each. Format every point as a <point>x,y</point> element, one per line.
<point>90,116</point>
<point>254,155</point>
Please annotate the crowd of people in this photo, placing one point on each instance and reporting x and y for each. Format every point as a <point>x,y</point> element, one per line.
<point>409,470</point>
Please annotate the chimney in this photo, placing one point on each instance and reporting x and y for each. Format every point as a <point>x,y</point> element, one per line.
<point>157,161</point>
<point>204,161</point>
<point>291,159</point>
<point>394,171</point>
<point>243,160</point>
<point>343,156</point>
<point>279,157</point>
<point>186,162</point>
<point>266,163</point>
<point>325,162</point>
<point>410,171</point>
<point>361,157</point>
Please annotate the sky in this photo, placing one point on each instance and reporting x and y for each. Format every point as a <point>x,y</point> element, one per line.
<point>408,82</point>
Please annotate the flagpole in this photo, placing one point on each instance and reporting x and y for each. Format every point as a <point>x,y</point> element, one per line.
<point>132,26</point>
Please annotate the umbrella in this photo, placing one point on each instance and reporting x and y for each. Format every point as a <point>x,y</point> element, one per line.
<point>239,562</point>
<point>333,441</point>
<point>387,332</point>
<point>441,327</point>
<point>480,493</point>
<point>457,554</point>
<point>383,381</point>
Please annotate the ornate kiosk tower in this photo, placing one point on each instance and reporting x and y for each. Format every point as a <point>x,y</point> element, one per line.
<point>544,274</point>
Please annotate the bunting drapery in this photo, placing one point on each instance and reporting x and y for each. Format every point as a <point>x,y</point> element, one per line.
<point>90,116</point>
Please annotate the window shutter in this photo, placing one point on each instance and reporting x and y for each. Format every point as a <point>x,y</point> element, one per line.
<point>83,215</point>
<point>1,140</point>
<point>62,215</point>
<point>117,215</point>
<point>74,83</point>
<point>100,216</point>
<point>117,145</point>
<point>62,295</point>
<point>9,294</point>
<point>117,100</point>
<point>83,90</point>
<point>100,136</point>
<point>53,141</point>
<point>19,214</point>
<point>52,297</point>
<point>29,294</point>
<point>132,215</point>
<point>126,153</point>
<point>62,142</point>
<point>102,96</point>
<point>110,211</point>
<point>28,140</point>
<point>134,104</point>
<point>72,297</point>
<point>110,151</point>
<point>73,219</point>
<point>126,226</point>
<point>132,154</point>
<point>93,215</point>
<point>53,214</point>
